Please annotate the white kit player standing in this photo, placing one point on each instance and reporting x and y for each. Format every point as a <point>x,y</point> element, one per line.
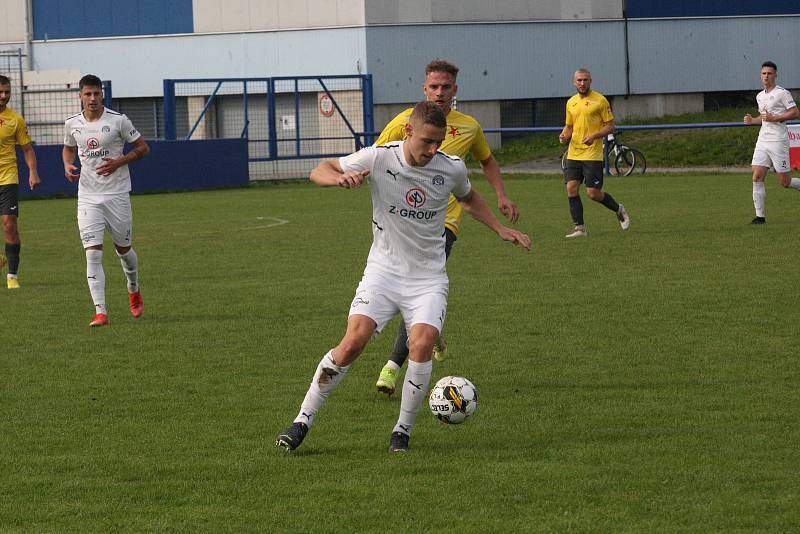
<point>775,106</point>
<point>98,135</point>
<point>410,182</point>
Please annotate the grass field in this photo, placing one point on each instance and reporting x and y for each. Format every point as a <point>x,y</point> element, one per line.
<point>639,381</point>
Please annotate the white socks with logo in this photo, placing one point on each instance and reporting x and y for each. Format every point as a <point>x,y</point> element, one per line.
<point>326,378</point>
<point>759,196</point>
<point>415,391</point>
<point>96,278</point>
<point>130,264</point>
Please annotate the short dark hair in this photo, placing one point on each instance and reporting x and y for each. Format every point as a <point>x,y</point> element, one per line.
<point>91,80</point>
<point>5,80</point>
<point>441,65</point>
<point>428,113</point>
<point>770,64</point>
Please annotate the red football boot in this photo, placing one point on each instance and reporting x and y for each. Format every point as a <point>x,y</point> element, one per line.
<point>137,305</point>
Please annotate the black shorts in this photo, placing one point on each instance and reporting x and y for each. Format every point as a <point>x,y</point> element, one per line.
<point>9,199</point>
<point>589,172</point>
<point>449,239</point>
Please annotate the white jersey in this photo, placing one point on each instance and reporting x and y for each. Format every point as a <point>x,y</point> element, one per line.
<point>95,140</point>
<point>777,101</point>
<point>408,208</point>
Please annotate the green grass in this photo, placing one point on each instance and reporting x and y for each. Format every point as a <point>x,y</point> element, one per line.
<point>636,381</point>
<point>726,146</point>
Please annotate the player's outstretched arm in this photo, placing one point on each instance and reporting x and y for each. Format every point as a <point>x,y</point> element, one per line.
<point>491,169</point>
<point>475,205</point>
<point>330,174</point>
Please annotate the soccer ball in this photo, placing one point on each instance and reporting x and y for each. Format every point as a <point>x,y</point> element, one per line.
<point>453,399</point>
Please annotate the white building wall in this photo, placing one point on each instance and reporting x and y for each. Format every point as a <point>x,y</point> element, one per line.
<point>12,21</point>
<point>410,11</point>
<point>244,15</point>
<point>137,65</point>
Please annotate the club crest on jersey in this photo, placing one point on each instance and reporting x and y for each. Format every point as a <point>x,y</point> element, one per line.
<point>438,180</point>
<point>106,129</point>
<point>416,198</point>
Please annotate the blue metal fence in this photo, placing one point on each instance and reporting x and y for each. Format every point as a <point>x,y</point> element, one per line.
<point>364,137</point>
<point>284,119</point>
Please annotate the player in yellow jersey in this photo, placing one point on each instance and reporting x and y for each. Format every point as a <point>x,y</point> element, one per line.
<point>589,120</point>
<point>13,131</point>
<point>464,137</point>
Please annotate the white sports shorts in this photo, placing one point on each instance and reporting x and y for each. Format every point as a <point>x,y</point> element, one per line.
<point>772,154</point>
<point>98,212</point>
<point>381,297</point>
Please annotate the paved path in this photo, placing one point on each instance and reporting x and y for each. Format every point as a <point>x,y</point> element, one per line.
<point>554,167</point>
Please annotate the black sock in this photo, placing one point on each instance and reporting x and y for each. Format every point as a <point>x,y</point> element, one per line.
<point>609,202</point>
<point>12,253</point>
<point>400,352</point>
<point>576,210</point>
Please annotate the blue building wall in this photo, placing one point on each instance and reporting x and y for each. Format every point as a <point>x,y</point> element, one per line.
<point>699,55</point>
<point>497,61</point>
<point>709,8</point>
<point>538,59</point>
<point>65,19</point>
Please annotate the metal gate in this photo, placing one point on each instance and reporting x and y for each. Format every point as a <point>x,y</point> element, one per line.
<point>44,106</point>
<point>290,122</point>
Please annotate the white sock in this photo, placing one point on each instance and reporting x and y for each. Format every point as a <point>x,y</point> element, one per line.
<point>327,376</point>
<point>415,391</point>
<point>130,264</point>
<point>96,278</point>
<point>392,365</point>
<point>794,183</point>
<point>759,196</point>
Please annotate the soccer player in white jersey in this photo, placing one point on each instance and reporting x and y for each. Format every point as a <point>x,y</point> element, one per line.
<point>98,135</point>
<point>410,182</point>
<point>775,106</point>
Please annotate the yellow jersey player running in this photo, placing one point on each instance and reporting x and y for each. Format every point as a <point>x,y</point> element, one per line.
<point>13,131</point>
<point>588,121</point>
<point>463,137</point>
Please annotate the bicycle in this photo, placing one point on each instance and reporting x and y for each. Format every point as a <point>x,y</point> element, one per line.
<point>622,159</point>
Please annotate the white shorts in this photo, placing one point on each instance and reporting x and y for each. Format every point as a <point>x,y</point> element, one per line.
<point>772,154</point>
<point>96,212</point>
<point>382,297</point>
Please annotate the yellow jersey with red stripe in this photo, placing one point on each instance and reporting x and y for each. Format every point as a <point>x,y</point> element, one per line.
<point>13,131</point>
<point>464,136</point>
<point>587,115</point>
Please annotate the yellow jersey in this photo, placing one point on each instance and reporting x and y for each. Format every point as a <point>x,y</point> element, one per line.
<point>13,131</point>
<point>464,136</point>
<point>586,115</point>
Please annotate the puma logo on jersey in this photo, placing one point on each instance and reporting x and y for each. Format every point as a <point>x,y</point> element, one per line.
<point>393,174</point>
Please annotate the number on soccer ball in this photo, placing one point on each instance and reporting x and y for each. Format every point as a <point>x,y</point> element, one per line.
<point>453,400</point>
